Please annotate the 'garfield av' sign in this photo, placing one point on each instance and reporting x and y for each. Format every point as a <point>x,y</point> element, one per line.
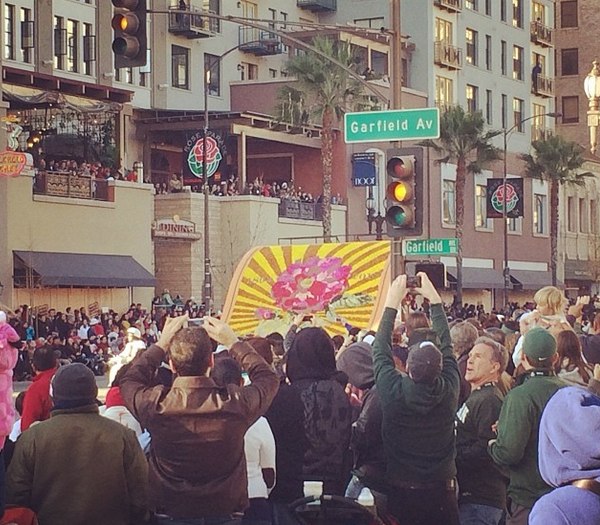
<point>175,229</point>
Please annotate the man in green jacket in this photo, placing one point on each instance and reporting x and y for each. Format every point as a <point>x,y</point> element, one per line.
<point>418,415</point>
<point>516,446</point>
<point>79,468</point>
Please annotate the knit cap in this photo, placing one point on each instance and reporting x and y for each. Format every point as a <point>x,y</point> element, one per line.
<point>539,345</point>
<point>74,383</point>
<point>424,362</point>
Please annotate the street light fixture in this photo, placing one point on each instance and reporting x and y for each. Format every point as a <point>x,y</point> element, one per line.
<point>591,86</point>
<point>372,218</point>
<point>207,273</point>
<point>505,134</point>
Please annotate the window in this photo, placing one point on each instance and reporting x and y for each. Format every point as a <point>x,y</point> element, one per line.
<point>514,225</point>
<point>568,14</point>
<point>443,91</point>
<point>60,42</point>
<point>89,49</point>
<point>272,73</point>
<point>248,71</point>
<point>273,17</point>
<point>538,124</point>
<point>593,216</point>
<point>540,206</point>
<point>518,114</point>
<point>503,10</point>
<point>488,52</point>
<point>569,61</point>
<point>504,111</point>
<point>472,98</point>
<point>538,12</point>
<point>448,202</point>
<point>536,59</point>
<point>72,46</point>
<point>212,64</point>
<point>180,67</point>
<point>471,4</point>
<point>517,63</point>
<point>27,42</point>
<point>284,18</point>
<point>517,18</point>
<point>443,31</point>
<point>471,41</point>
<point>379,63</point>
<point>488,106</point>
<point>371,23</point>
<point>127,75</point>
<point>571,217</point>
<point>481,220</point>
<point>503,57</point>
<point>9,31</point>
<point>488,7</point>
<point>583,216</point>
<point>570,109</point>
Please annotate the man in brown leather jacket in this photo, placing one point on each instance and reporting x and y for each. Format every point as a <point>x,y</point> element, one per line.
<point>197,465</point>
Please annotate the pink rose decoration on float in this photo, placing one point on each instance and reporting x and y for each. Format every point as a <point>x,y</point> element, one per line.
<point>311,286</point>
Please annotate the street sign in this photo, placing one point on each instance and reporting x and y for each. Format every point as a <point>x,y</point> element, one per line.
<point>430,247</point>
<point>402,124</point>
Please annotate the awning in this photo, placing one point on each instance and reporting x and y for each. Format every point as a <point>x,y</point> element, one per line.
<point>477,277</point>
<point>78,269</point>
<point>530,279</point>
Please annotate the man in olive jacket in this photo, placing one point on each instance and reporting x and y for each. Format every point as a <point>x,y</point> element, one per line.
<point>516,446</point>
<point>79,468</point>
<point>197,462</point>
<point>418,416</point>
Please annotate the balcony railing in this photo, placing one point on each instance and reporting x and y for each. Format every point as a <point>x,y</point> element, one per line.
<point>541,34</point>
<point>447,55</point>
<point>70,185</point>
<point>543,86</point>
<point>317,5</point>
<point>259,42</point>
<point>293,209</point>
<point>453,6</point>
<point>192,25</point>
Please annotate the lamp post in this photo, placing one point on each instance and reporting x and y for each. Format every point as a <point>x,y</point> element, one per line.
<point>378,219</point>
<point>505,134</point>
<point>591,86</point>
<point>207,272</point>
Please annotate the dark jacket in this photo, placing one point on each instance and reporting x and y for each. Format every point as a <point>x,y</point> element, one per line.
<point>197,463</point>
<point>590,345</point>
<point>516,446</point>
<point>79,468</point>
<point>479,480</point>
<point>465,387</point>
<point>418,418</point>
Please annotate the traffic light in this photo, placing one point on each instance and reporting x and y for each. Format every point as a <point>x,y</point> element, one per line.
<point>130,41</point>
<point>404,193</point>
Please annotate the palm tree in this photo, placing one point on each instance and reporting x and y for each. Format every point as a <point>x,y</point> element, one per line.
<point>330,91</point>
<point>557,161</point>
<point>465,142</point>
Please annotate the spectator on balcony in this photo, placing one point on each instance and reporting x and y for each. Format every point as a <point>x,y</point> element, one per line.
<point>175,184</point>
<point>535,73</point>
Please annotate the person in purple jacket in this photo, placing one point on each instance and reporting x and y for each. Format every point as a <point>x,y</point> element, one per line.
<point>569,457</point>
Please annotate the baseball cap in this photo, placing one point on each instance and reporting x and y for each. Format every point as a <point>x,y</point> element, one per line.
<point>424,362</point>
<point>539,345</point>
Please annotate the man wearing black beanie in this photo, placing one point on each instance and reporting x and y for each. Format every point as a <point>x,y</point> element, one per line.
<point>418,415</point>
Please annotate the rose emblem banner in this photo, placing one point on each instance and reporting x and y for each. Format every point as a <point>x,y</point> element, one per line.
<point>337,283</point>
<point>514,198</point>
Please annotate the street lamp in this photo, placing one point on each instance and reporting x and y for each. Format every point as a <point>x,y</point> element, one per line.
<point>591,86</point>
<point>505,134</point>
<point>207,272</point>
<point>378,219</point>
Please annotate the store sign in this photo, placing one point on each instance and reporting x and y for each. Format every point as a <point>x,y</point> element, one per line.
<point>15,163</point>
<point>175,229</point>
<point>497,194</point>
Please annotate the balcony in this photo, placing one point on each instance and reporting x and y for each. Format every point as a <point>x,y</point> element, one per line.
<point>70,185</point>
<point>192,25</point>
<point>293,209</point>
<point>317,5</point>
<point>543,86</point>
<point>446,55</point>
<point>454,6</point>
<point>258,42</point>
<point>541,34</point>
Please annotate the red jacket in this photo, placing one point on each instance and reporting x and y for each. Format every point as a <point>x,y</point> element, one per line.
<point>37,403</point>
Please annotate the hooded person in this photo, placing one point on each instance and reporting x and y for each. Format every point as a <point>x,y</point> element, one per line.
<point>366,442</point>
<point>311,370</point>
<point>134,345</point>
<point>70,453</point>
<point>569,458</point>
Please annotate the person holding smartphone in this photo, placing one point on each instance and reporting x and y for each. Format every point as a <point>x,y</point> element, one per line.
<point>418,415</point>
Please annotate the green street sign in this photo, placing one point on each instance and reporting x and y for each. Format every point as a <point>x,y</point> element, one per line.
<point>402,124</point>
<point>430,247</point>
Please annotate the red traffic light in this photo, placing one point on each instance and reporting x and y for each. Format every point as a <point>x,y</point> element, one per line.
<point>401,167</point>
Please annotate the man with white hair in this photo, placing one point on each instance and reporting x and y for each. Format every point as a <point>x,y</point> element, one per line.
<point>133,346</point>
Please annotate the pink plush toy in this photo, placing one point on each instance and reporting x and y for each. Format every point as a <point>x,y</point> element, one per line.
<point>8,360</point>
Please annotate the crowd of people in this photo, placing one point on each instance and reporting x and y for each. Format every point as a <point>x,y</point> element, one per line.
<point>95,170</point>
<point>443,415</point>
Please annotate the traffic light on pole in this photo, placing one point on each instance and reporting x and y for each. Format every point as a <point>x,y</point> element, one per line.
<point>130,41</point>
<point>404,193</point>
